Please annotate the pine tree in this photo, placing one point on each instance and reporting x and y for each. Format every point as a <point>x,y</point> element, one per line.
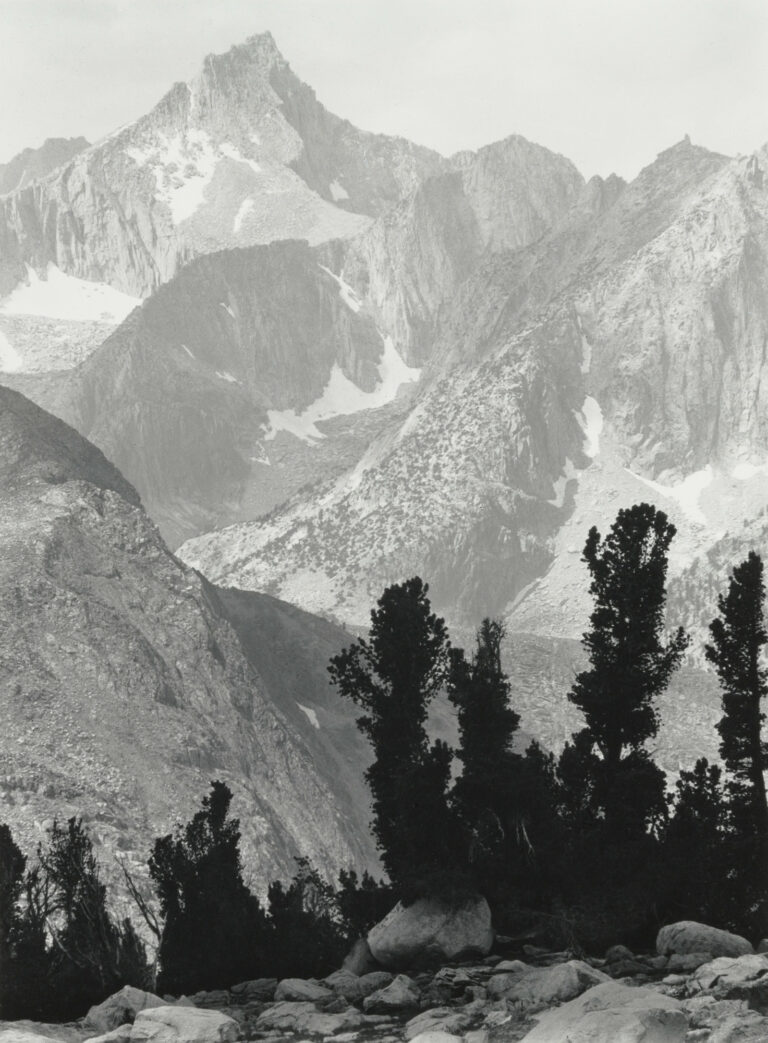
<point>393,675</point>
<point>696,869</point>
<point>630,665</point>
<point>738,638</point>
<point>214,928</point>
<point>12,866</point>
<point>93,955</point>
<point>486,794</point>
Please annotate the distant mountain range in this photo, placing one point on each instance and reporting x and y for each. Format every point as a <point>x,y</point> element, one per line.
<point>327,360</point>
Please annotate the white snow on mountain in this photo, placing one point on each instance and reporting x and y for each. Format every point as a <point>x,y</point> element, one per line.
<point>341,397</point>
<point>687,492</point>
<point>346,292</point>
<point>591,420</point>
<point>311,714</point>
<point>60,296</point>
<point>243,210</point>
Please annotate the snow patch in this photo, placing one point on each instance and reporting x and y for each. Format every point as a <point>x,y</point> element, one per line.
<point>232,153</point>
<point>10,360</point>
<point>346,292</point>
<point>227,376</point>
<point>744,472</point>
<point>60,296</point>
<point>245,207</point>
<point>591,422</point>
<point>338,192</point>
<point>310,714</point>
<point>686,493</point>
<point>341,397</point>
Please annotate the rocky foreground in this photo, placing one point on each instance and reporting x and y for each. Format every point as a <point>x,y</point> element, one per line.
<point>702,984</point>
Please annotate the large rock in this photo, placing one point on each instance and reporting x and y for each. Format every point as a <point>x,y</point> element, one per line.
<point>437,1021</point>
<point>538,987</point>
<point>727,972</point>
<point>400,994</point>
<point>283,1017</point>
<point>613,1013</point>
<point>687,936</point>
<point>119,1009</point>
<point>302,1017</point>
<point>183,1025</point>
<point>300,990</point>
<point>430,932</point>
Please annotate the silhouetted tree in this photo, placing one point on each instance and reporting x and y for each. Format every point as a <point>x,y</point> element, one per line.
<point>307,935</point>
<point>393,675</point>
<point>12,866</point>
<point>695,854</point>
<point>214,928</point>
<point>92,955</point>
<point>630,665</point>
<point>488,794</point>
<point>738,638</point>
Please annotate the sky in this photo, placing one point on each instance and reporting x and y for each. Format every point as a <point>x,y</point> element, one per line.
<point>608,83</point>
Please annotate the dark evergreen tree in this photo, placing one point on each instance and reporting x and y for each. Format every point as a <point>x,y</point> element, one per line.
<point>630,665</point>
<point>12,866</point>
<point>308,939</point>
<point>738,639</point>
<point>695,848</point>
<point>393,675</point>
<point>487,795</point>
<point>214,929</point>
<point>92,955</point>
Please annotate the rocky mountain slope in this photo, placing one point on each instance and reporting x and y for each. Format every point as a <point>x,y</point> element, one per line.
<point>617,358</point>
<point>209,398</point>
<point>128,682</point>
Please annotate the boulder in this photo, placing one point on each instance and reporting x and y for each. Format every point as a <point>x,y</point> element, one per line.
<point>401,994</point>
<point>540,987</point>
<point>687,936</point>
<point>746,1027</point>
<point>22,1036</point>
<point>183,1025</point>
<point>436,1036</point>
<point>374,981</point>
<point>617,953</point>
<point>283,1016</point>
<point>445,1020</point>
<point>259,990</point>
<point>429,932</point>
<point>346,985</point>
<point>686,962</point>
<point>726,972</point>
<point>301,990</point>
<point>609,1013</point>
<point>118,1009</point>
<point>122,1034</point>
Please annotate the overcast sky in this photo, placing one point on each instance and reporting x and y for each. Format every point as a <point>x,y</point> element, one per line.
<point>609,83</point>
